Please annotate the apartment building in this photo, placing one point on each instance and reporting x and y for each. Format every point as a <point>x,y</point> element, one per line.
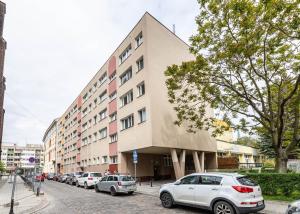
<point>18,156</point>
<point>50,145</point>
<point>2,78</point>
<point>125,108</point>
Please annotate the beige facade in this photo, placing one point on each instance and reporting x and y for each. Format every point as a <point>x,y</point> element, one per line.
<point>50,141</point>
<point>125,107</point>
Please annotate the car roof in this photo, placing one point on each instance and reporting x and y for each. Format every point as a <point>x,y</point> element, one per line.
<point>220,174</point>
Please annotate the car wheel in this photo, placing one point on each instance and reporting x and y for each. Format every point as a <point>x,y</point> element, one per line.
<point>77,184</point>
<point>130,193</point>
<point>222,207</point>
<point>96,188</point>
<point>85,185</point>
<point>166,200</point>
<point>113,191</point>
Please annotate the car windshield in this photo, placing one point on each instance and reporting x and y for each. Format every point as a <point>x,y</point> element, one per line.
<point>78,173</point>
<point>95,174</point>
<point>127,178</point>
<point>246,181</point>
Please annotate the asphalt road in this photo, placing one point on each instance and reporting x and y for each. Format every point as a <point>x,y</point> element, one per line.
<point>68,199</point>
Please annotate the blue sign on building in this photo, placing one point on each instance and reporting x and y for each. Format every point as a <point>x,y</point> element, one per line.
<point>135,156</point>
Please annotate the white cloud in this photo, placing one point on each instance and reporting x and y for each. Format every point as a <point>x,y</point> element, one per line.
<point>55,47</point>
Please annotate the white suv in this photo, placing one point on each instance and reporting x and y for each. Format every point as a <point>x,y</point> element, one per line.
<point>88,179</point>
<point>219,192</point>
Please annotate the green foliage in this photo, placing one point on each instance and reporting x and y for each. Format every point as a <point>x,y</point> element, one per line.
<point>247,141</point>
<point>247,68</point>
<point>278,184</point>
<point>2,167</point>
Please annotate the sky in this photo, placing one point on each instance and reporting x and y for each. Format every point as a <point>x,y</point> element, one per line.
<point>54,47</point>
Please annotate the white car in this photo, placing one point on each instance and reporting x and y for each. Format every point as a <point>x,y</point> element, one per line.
<point>228,193</point>
<point>88,179</point>
<point>294,208</point>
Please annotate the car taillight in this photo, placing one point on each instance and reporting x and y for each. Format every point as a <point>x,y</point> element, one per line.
<point>248,203</point>
<point>243,189</point>
<point>119,183</point>
<point>90,178</point>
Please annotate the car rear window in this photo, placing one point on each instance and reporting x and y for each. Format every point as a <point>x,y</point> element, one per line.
<point>95,174</point>
<point>127,178</point>
<point>78,173</point>
<point>246,181</point>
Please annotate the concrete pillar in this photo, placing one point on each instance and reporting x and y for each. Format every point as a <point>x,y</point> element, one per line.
<point>202,159</point>
<point>122,166</point>
<point>176,165</point>
<point>182,162</point>
<point>196,161</point>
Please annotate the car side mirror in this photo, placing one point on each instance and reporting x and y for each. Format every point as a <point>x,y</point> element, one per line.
<point>177,183</point>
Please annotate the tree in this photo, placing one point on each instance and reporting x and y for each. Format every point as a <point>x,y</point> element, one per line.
<point>247,141</point>
<point>247,68</point>
<point>2,167</point>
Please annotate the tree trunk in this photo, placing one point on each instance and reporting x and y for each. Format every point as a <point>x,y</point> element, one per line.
<point>281,161</point>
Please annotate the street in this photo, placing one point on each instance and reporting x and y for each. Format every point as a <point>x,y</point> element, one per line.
<point>67,199</point>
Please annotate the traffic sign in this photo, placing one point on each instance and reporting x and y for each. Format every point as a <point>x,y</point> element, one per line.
<point>135,156</point>
<point>31,160</point>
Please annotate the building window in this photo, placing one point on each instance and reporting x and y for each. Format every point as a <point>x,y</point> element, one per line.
<point>102,79</point>
<point>102,133</point>
<point>102,114</point>
<point>95,103</point>
<point>112,76</point>
<point>142,115</point>
<point>127,122</point>
<point>95,119</point>
<point>95,137</point>
<point>113,117</point>
<point>168,161</point>
<point>126,98</point>
<point>102,96</point>
<point>140,64</point>
<point>141,89</point>
<point>104,159</point>
<point>138,40</point>
<point>114,159</point>
<point>85,97</point>
<point>126,53</point>
<point>126,76</point>
<point>113,96</point>
<point>113,138</point>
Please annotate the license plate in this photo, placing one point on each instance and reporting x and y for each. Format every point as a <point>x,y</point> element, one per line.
<point>260,203</point>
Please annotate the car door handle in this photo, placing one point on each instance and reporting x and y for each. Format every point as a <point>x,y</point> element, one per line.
<point>191,188</point>
<point>214,189</point>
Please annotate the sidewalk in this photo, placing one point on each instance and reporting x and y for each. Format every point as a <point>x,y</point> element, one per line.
<point>272,207</point>
<point>25,200</point>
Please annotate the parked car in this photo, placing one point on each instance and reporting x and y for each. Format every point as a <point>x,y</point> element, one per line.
<point>50,176</point>
<point>63,178</point>
<point>116,184</point>
<point>88,179</point>
<point>294,208</point>
<point>219,192</point>
<point>69,178</point>
<point>74,178</point>
<point>39,177</point>
<point>56,177</point>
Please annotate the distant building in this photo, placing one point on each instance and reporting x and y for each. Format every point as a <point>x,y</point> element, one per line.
<point>18,156</point>
<point>247,156</point>
<point>2,78</point>
<point>50,140</point>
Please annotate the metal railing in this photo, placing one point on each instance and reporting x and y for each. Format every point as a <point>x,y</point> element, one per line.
<point>250,165</point>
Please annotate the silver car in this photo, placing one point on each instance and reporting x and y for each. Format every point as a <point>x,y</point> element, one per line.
<point>116,184</point>
<point>294,208</point>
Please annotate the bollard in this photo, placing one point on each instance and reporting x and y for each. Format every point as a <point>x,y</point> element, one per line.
<point>140,182</point>
<point>151,182</point>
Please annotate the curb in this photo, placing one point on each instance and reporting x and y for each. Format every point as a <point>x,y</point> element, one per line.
<point>44,203</point>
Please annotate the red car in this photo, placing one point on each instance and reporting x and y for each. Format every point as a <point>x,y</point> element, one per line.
<point>40,177</point>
